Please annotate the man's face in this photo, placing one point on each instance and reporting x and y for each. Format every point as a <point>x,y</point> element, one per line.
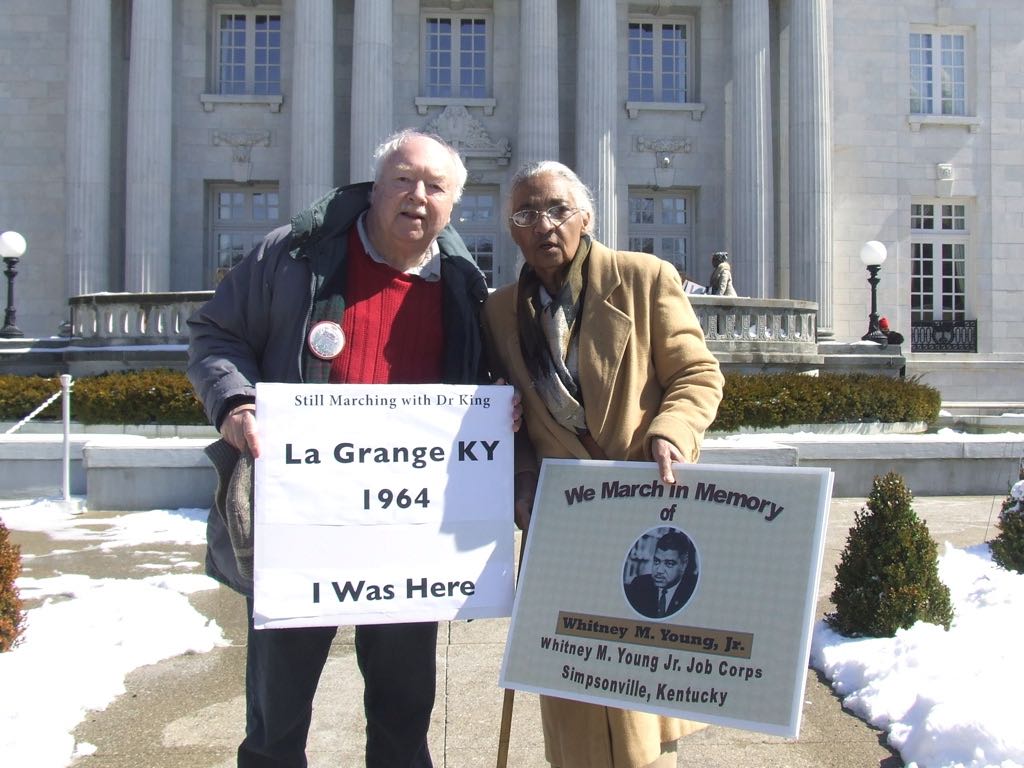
<point>668,568</point>
<point>413,197</point>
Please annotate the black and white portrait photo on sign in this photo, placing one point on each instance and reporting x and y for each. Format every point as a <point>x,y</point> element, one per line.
<point>660,573</point>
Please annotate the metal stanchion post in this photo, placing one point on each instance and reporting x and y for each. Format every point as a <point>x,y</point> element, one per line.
<point>65,386</point>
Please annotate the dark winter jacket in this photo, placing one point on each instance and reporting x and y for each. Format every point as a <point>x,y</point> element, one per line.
<point>255,326</point>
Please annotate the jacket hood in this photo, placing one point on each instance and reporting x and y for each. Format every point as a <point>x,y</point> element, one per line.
<point>334,212</point>
<point>337,211</point>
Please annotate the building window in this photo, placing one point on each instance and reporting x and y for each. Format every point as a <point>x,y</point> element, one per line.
<point>938,252</point>
<point>659,223</point>
<point>241,217</point>
<point>247,53</point>
<point>456,57</point>
<point>938,73</point>
<point>476,219</point>
<point>659,61</point>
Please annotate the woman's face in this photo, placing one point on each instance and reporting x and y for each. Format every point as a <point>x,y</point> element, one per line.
<point>546,246</point>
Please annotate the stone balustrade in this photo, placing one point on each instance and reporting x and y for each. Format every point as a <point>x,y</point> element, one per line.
<point>111,331</point>
<point>735,323</point>
<point>750,334</point>
<point>134,318</point>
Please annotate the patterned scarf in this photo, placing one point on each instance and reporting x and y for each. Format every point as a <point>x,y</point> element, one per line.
<point>549,339</point>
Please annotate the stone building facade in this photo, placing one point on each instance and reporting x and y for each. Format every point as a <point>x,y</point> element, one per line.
<point>146,143</point>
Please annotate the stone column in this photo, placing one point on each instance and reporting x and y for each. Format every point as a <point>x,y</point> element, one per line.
<point>538,81</point>
<point>312,107</point>
<point>753,194</point>
<point>147,265</point>
<point>597,105</point>
<point>87,149</point>
<point>372,85</point>
<point>810,159</point>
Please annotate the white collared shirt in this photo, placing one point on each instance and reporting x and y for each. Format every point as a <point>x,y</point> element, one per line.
<point>429,268</point>
<point>669,593</point>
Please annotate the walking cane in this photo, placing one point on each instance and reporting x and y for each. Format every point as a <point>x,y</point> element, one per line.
<point>505,729</point>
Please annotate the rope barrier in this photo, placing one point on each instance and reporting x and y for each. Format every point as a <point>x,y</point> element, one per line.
<point>65,392</point>
<point>34,413</point>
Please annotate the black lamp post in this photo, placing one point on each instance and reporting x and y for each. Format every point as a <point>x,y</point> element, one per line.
<point>12,248</point>
<point>872,255</point>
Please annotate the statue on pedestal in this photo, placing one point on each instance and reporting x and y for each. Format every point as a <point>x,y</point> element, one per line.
<point>721,275</point>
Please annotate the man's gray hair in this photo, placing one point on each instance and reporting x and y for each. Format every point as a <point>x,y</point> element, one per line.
<point>582,197</point>
<point>393,143</point>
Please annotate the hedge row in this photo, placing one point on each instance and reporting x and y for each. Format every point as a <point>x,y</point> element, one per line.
<point>158,396</point>
<point>775,400</point>
<point>779,400</point>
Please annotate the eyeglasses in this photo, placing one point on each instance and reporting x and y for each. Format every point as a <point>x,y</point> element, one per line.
<point>556,214</point>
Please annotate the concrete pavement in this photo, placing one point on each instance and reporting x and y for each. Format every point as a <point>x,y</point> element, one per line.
<point>189,710</point>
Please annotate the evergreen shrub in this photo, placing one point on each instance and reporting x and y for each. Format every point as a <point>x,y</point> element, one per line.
<point>11,616</point>
<point>760,400</point>
<point>158,396</point>
<point>887,577</point>
<point>1008,547</point>
<point>779,400</point>
<point>20,395</point>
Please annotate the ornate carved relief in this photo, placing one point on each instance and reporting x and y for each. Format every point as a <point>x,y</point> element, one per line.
<point>241,150</point>
<point>664,151</point>
<point>468,135</point>
<point>667,146</point>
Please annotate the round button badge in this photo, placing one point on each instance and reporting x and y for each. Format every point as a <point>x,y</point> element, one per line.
<point>326,340</point>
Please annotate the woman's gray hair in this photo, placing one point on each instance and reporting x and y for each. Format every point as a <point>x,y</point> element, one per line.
<point>582,198</point>
<point>393,143</point>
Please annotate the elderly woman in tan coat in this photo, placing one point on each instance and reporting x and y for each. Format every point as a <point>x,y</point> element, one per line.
<point>611,363</point>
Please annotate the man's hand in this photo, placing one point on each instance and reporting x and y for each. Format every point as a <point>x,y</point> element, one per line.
<point>239,429</point>
<point>665,454</point>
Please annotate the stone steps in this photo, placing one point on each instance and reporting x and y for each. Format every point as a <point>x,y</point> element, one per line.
<point>131,472</point>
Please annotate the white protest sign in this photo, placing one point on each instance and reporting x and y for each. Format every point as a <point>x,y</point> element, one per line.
<point>690,600</point>
<point>382,503</point>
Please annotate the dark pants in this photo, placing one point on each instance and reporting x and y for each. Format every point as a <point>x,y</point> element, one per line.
<point>283,667</point>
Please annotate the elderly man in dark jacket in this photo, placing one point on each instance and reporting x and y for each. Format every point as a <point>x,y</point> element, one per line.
<point>369,285</point>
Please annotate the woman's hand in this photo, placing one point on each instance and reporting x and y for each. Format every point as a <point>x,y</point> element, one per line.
<point>666,455</point>
<point>517,406</point>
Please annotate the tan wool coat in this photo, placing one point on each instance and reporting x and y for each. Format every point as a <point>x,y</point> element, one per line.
<point>645,371</point>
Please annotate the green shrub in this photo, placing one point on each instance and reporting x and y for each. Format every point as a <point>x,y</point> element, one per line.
<point>159,396</point>
<point>779,400</point>
<point>20,395</point>
<point>136,397</point>
<point>11,616</point>
<point>1008,547</point>
<point>763,400</point>
<point>887,577</point>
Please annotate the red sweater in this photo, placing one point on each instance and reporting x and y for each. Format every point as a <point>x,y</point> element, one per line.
<point>392,324</point>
